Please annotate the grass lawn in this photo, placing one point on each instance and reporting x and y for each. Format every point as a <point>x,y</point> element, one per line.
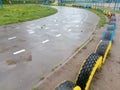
<point>102,17</point>
<point>20,13</point>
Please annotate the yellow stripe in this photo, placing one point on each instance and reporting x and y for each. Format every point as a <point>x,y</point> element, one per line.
<point>68,5</point>
<point>93,72</point>
<point>54,4</point>
<point>97,46</point>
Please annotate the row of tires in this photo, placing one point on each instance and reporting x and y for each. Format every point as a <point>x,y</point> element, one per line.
<point>96,59</point>
<point>84,6</point>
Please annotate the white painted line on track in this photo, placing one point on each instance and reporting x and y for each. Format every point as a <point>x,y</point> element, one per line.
<point>46,28</point>
<point>45,41</point>
<point>58,35</point>
<point>69,30</point>
<point>30,31</point>
<point>12,38</point>
<point>77,25</point>
<point>20,51</point>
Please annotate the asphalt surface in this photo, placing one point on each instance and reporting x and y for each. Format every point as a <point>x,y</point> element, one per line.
<point>33,48</point>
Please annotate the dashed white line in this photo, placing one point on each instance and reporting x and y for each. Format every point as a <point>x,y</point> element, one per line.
<point>77,25</point>
<point>20,51</point>
<point>30,31</point>
<point>12,38</point>
<point>46,28</point>
<point>45,41</point>
<point>58,35</point>
<point>69,30</point>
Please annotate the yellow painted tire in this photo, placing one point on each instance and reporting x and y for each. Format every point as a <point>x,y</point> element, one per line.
<point>54,4</point>
<point>103,49</point>
<point>68,5</point>
<point>88,70</point>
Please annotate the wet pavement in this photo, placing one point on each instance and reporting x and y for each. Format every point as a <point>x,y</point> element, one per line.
<point>30,50</point>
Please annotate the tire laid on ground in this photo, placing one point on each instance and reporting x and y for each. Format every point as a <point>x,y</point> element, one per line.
<point>88,70</point>
<point>113,23</point>
<point>112,19</point>
<point>108,35</point>
<point>102,48</point>
<point>112,14</point>
<point>110,28</point>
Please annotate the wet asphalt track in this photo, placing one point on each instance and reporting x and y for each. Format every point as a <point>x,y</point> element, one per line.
<point>38,46</point>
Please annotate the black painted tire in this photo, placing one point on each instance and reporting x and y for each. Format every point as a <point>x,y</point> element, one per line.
<point>102,48</point>
<point>86,70</point>
<point>113,14</point>
<point>110,28</point>
<point>108,35</point>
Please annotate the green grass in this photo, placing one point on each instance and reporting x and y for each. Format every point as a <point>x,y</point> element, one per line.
<point>42,78</point>
<point>20,13</point>
<point>84,47</point>
<point>102,17</point>
<point>34,89</point>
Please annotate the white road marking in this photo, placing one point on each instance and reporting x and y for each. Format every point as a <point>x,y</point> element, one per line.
<point>20,51</point>
<point>77,25</point>
<point>12,38</point>
<point>69,30</point>
<point>30,31</point>
<point>58,35</point>
<point>46,28</point>
<point>55,20</point>
<point>45,41</point>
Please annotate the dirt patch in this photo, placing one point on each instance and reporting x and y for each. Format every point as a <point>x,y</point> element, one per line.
<point>11,62</point>
<point>23,58</point>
